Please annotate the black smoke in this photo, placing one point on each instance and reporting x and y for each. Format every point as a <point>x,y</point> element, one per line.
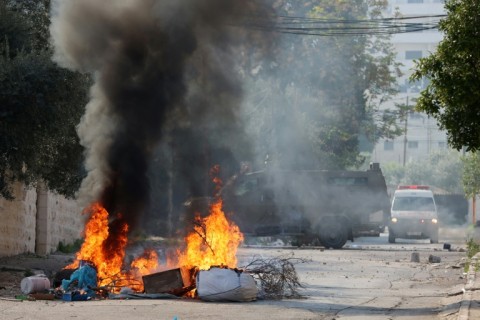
<point>157,65</point>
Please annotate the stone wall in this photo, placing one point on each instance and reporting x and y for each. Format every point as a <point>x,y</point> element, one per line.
<point>36,221</point>
<point>58,220</point>
<point>17,221</point>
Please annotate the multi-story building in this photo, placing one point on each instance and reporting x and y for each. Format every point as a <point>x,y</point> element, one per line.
<point>422,135</point>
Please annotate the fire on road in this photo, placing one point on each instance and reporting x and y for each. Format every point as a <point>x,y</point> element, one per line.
<point>368,279</point>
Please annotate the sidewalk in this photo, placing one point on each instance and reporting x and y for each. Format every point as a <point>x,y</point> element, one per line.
<point>470,305</point>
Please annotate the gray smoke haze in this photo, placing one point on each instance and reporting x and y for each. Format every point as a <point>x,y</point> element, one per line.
<point>141,54</point>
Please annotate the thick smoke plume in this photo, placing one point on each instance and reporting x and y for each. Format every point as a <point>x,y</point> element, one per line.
<point>141,54</point>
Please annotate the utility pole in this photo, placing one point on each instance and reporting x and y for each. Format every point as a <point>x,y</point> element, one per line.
<point>429,135</point>
<point>405,134</point>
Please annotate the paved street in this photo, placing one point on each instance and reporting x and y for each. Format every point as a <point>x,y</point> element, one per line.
<point>369,279</point>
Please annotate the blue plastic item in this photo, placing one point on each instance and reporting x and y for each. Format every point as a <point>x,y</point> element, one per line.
<point>84,278</point>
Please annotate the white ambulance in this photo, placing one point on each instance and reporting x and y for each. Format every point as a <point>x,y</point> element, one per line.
<point>413,214</point>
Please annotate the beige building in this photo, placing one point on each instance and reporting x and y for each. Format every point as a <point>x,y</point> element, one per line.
<point>422,133</point>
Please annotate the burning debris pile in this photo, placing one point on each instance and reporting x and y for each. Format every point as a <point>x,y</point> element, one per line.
<point>141,54</point>
<point>206,268</point>
<point>213,242</point>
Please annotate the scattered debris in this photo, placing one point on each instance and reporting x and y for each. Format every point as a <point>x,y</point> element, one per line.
<point>224,284</point>
<point>81,285</point>
<point>10,299</point>
<point>456,291</point>
<point>415,257</point>
<point>277,276</point>
<point>434,259</point>
<point>35,284</point>
<point>42,296</point>
<point>447,246</point>
<point>122,296</point>
<point>175,281</point>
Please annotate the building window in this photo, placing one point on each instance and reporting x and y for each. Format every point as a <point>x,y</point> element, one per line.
<point>412,144</point>
<point>413,54</point>
<point>388,145</point>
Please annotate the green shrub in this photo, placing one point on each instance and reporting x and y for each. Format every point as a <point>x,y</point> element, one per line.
<point>472,248</point>
<point>71,247</point>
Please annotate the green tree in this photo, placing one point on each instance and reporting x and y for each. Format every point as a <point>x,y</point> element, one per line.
<point>471,174</point>
<point>36,19</point>
<point>453,96</point>
<point>441,170</point>
<point>40,105</point>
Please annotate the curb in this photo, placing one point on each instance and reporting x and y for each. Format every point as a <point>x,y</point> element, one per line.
<point>464,310</point>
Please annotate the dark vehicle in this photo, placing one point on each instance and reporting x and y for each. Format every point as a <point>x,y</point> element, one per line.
<point>328,206</point>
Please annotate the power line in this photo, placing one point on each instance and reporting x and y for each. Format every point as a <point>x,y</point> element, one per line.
<point>335,27</point>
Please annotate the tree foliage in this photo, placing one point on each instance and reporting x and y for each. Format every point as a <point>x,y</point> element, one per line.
<point>441,170</point>
<point>471,174</point>
<point>453,96</point>
<point>40,104</point>
<point>318,97</point>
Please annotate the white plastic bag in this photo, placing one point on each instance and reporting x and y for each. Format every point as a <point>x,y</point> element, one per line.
<point>218,284</point>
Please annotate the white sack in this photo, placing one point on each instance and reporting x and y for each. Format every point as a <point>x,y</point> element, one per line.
<point>218,284</point>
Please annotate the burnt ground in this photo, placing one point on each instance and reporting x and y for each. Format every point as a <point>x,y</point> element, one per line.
<point>13,269</point>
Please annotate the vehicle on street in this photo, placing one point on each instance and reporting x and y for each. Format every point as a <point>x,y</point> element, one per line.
<point>413,214</point>
<point>329,207</point>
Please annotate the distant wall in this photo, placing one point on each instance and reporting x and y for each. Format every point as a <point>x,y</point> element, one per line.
<point>36,221</point>
<point>58,220</point>
<point>17,221</point>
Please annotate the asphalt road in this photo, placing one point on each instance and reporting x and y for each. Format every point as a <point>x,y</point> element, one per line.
<point>368,279</point>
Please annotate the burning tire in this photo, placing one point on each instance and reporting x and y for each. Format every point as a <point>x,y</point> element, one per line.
<point>333,233</point>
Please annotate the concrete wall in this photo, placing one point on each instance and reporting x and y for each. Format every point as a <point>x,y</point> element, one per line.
<point>17,221</point>
<point>58,220</point>
<point>36,221</point>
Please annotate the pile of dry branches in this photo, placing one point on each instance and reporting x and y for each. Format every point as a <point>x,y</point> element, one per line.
<point>277,276</point>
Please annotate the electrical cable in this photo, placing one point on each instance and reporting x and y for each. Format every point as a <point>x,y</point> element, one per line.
<point>335,27</point>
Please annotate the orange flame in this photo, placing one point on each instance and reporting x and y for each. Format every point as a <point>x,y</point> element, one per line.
<point>214,241</point>
<point>109,260</point>
<point>144,264</point>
